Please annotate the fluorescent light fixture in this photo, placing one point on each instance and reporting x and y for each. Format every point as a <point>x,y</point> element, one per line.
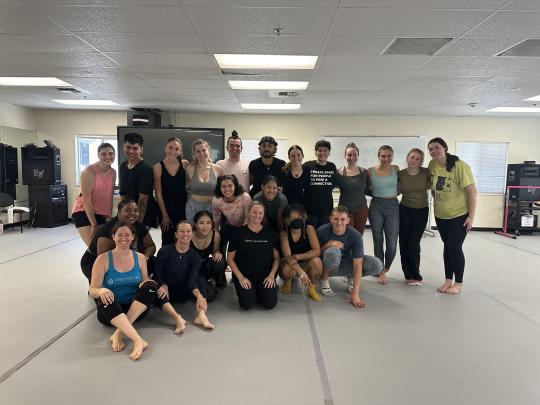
<point>266,85</point>
<point>33,81</point>
<point>239,61</point>
<point>257,106</point>
<point>535,98</point>
<point>86,102</point>
<point>515,109</point>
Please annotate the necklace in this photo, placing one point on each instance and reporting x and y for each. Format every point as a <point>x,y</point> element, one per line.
<point>297,174</point>
<point>197,240</point>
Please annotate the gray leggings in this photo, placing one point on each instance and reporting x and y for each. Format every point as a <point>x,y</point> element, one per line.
<point>192,207</point>
<point>384,222</point>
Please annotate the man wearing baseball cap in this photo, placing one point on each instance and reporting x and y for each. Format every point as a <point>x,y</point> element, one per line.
<point>266,165</point>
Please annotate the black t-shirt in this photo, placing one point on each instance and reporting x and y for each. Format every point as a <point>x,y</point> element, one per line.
<point>105,231</point>
<point>177,269</point>
<point>321,182</point>
<point>259,171</point>
<point>254,251</point>
<point>139,179</point>
<point>294,187</point>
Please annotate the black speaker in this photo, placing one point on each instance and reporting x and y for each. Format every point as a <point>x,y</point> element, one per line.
<point>144,118</point>
<point>48,204</point>
<point>9,170</point>
<point>523,174</point>
<point>41,165</point>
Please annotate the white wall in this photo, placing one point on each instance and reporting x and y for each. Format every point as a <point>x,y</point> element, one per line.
<point>61,127</point>
<point>523,134</point>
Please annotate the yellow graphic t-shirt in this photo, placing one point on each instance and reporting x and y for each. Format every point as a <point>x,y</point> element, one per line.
<point>449,188</point>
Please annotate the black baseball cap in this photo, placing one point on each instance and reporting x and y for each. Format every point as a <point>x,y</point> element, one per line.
<point>268,139</point>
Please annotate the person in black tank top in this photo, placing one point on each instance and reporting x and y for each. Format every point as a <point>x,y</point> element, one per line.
<point>301,252</point>
<point>170,186</point>
<point>206,242</point>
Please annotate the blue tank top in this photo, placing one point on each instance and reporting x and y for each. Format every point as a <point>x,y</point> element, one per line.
<point>124,285</point>
<point>383,186</point>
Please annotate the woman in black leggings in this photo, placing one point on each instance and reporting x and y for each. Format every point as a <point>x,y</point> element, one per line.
<point>122,290</point>
<point>254,260</point>
<point>177,274</point>
<point>452,184</point>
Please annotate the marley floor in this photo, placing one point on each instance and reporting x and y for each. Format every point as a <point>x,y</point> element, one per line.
<point>411,345</point>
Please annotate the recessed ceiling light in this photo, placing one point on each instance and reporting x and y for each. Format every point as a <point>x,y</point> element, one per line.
<point>515,109</point>
<point>86,102</point>
<point>266,85</point>
<point>535,98</point>
<point>33,81</point>
<point>240,61</point>
<point>256,106</point>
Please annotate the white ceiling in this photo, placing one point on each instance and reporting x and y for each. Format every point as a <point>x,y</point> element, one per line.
<point>158,54</point>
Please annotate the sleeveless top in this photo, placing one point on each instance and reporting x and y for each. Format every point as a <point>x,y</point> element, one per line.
<point>204,253</point>
<point>352,189</point>
<point>124,285</point>
<point>198,187</point>
<point>383,186</point>
<point>101,196</point>
<point>173,189</point>
<point>302,245</point>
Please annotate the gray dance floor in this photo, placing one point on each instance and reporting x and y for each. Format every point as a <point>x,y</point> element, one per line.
<point>411,345</point>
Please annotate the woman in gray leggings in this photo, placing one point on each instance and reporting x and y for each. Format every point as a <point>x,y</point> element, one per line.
<point>384,209</point>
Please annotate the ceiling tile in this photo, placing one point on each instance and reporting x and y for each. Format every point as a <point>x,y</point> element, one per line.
<point>329,97</point>
<point>251,21</point>
<point>261,3</point>
<point>265,44</point>
<point>60,59</point>
<point>188,84</point>
<point>42,43</point>
<point>191,60</point>
<point>115,3</point>
<point>25,20</point>
<point>523,5</point>
<point>156,20</point>
<point>355,45</point>
<point>137,42</point>
<point>509,24</point>
<point>406,23</point>
<point>427,4</point>
<point>478,63</point>
<point>479,46</point>
<point>371,62</point>
<point>326,83</point>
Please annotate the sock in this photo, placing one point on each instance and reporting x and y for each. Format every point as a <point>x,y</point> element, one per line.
<point>325,284</point>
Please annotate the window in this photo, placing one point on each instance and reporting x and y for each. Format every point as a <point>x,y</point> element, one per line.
<point>250,149</point>
<point>488,163</point>
<point>86,152</point>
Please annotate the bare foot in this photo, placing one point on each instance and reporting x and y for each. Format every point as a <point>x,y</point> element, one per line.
<point>117,342</point>
<point>444,288</point>
<point>139,346</point>
<point>180,325</point>
<point>202,320</point>
<point>382,278</point>
<point>455,289</point>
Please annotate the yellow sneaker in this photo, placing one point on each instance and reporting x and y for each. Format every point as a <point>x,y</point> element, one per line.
<point>313,294</point>
<point>287,287</point>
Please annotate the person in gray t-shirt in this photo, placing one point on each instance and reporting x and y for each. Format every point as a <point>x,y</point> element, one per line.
<point>343,255</point>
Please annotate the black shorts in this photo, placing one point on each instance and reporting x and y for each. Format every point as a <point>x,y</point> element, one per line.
<point>80,219</point>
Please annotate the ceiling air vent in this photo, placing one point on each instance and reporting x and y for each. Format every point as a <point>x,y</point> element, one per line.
<point>529,47</point>
<point>282,94</point>
<point>68,90</point>
<point>416,46</point>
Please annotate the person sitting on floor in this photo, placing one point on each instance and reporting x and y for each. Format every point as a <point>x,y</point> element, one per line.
<point>122,290</point>
<point>177,274</point>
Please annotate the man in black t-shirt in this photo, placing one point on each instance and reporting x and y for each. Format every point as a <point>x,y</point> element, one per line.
<point>266,165</point>
<point>321,181</point>
<point>137,179</point>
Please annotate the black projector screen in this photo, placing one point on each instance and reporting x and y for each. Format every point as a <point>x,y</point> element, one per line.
<point>155,138</point>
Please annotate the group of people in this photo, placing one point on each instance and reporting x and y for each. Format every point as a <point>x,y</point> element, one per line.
<point>259,219</point>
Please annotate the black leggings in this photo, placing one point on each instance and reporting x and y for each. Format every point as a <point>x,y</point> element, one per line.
<point>412,222</point>
<point>215,271</point>
<point>453,235</point>
<point>145,295</point>
<point>182,293</point>
<point>247,298</point>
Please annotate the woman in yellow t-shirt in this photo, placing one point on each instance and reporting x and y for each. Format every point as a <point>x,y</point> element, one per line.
<point>454,192</point>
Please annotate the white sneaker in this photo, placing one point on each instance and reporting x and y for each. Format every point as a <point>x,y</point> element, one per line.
<point>327,292</point>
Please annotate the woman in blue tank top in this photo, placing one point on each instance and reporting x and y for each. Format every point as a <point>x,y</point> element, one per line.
<point>384,209</point>
<point>122,290</point>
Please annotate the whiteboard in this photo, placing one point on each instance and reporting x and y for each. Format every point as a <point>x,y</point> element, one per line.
<point>369,147</point>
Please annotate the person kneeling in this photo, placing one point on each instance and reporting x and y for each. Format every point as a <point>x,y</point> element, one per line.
<point>122,290</point>
<point>254,260</point>
<point>177,274</point>
<point>343,255</point>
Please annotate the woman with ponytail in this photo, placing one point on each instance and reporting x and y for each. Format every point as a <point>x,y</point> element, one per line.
<point>454,191</point>
<point>170,186</point>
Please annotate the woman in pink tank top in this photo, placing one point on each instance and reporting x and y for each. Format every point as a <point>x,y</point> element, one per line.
<point>93,206</point>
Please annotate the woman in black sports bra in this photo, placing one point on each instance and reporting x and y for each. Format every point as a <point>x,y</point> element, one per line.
<point>170,186</point>
<point>206,241</point>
